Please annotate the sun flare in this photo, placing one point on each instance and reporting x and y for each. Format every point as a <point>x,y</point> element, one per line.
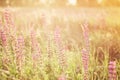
<point>72,2</point>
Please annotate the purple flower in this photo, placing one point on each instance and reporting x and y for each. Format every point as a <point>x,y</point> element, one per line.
<point>112,70</point>
<point>36,55</point>
<point>62,77</point>
<point>3,38</point>
<point>85,61</point>
<point>8,18</point>
<point>86,35</point>
<point>60,48</point>
<point>19,49</point>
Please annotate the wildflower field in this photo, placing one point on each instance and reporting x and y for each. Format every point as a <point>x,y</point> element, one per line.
<point>59,44</point>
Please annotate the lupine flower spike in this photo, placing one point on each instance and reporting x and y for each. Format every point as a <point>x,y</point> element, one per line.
<point>60,48</point>
<point>3,38</point>
<point>19,48</point>
<point>85,50</point>
<point>36,55</point>
<point>62,77</point>
<point>8,18</point>
<point>85,61</point>
<point>86,35</point>
<point>112,70</point>
<point>9,22</point>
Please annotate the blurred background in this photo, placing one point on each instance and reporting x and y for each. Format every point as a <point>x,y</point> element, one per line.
<point>59,3</point>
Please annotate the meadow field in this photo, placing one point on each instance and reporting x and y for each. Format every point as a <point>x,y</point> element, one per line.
<point>60,43</point>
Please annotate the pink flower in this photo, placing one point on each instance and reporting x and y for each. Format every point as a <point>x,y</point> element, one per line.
<point>9,22</point>
<point>86,35</point>
<point>112,70</point>
<point>3,38</point>
<point>62,77</point>
<point>60,48</point>
<point>34,42</point>
<point>85,61</point>
<point>8,18</point>
<point>19,48</point>
<point>20,44</point>
<point>36,55</point>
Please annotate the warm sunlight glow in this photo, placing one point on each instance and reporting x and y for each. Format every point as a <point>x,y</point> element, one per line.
<point>43,1</point>
<point>99,1</point>
<point>72,2</point>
